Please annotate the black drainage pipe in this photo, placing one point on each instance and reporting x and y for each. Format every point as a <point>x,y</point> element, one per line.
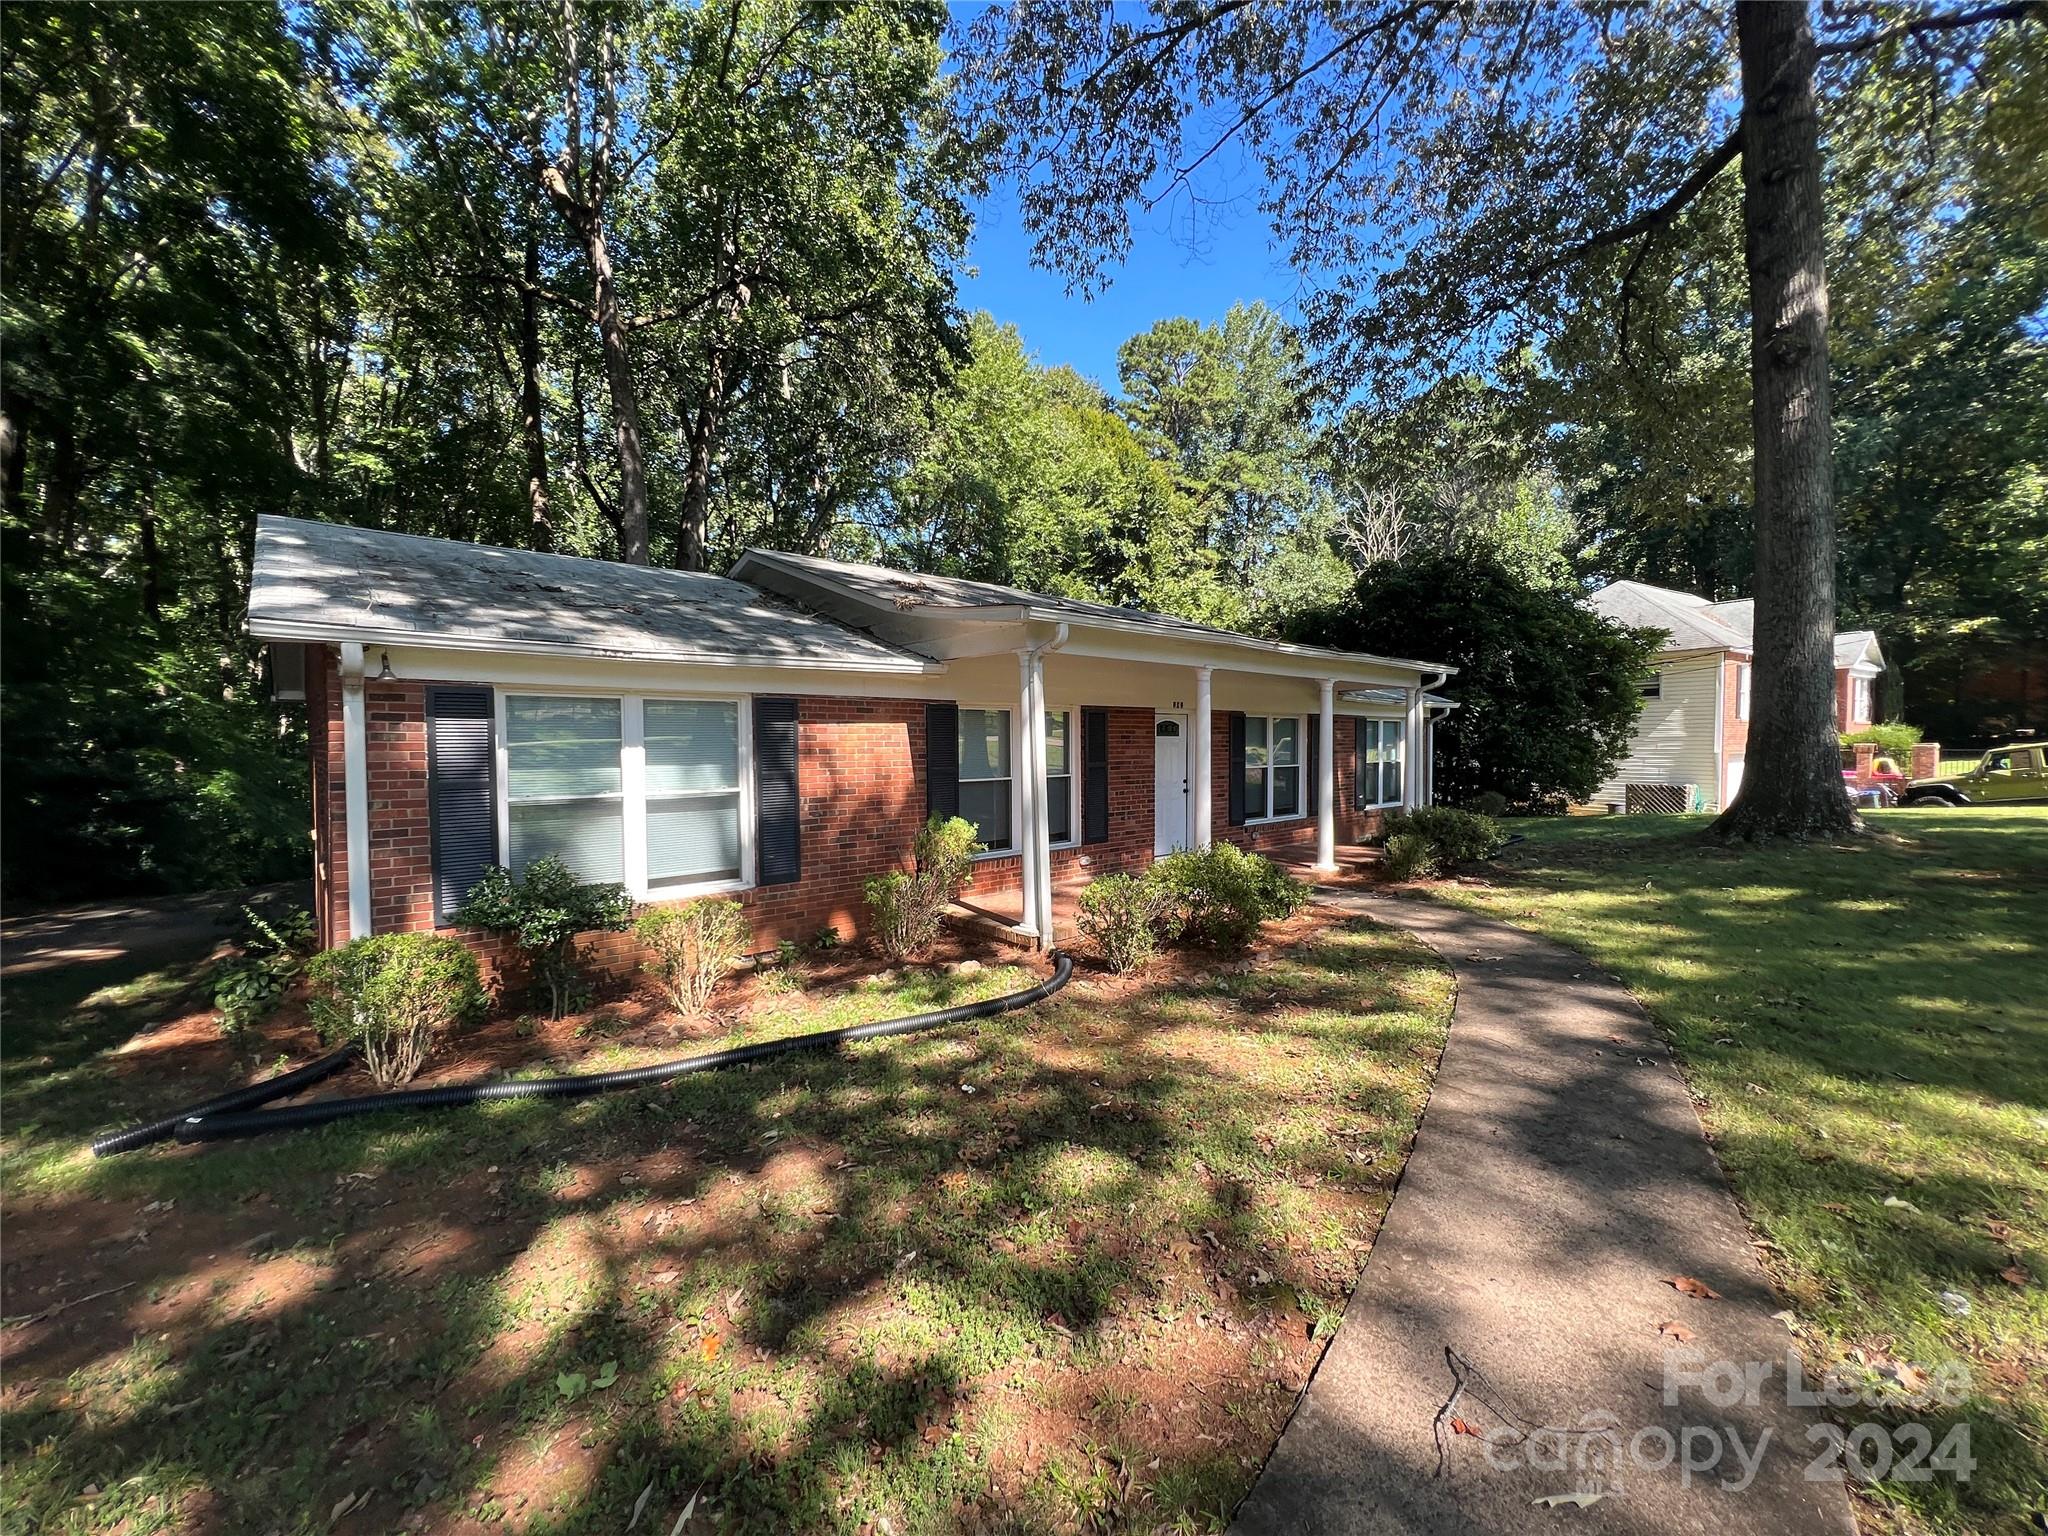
<point>219,1127</point>
<point>270,1088</point>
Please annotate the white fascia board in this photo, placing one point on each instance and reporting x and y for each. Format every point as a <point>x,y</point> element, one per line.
<point>412,640</point>
<point>1023,613</point>
<point>651,679</point>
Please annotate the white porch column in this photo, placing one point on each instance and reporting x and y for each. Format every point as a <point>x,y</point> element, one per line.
<point>1198,759</point>
<point>1416,749</point>
<point>355,764</point>
<point>1039,831</point>
<point>1326,778</point>
<point>1024,740</point>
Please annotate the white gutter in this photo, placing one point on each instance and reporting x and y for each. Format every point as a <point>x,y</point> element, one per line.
<point>355,758</point>
<point>330,634</point>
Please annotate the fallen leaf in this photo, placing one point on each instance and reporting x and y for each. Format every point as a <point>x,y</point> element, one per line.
<point>683,1519</point>
<point>712,1345</point>
<point>640,1505</point>
<point>1676,1330</point>
<point>1581,1500</point>
<point>348,1502</point>
<point>2014,1275</point>
<point>666,1276</point>
<point>1460,1427</point>
<point>1895,1203</point>
<point>1685,1285</point>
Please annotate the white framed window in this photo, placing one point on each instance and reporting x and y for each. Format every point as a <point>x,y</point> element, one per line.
<point>650,792</point>
<point>1059,776</point>
<point>564,789</point>
<point>692,771</point>
<point>1272,767</point>
<point>1380,783</point>
<point>987,788</point>
<point>1742,691</point>
<point>1862,691</point>
<point>1652,687</point>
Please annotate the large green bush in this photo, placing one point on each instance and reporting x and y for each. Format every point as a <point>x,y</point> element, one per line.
<point>1409,856</point>
<point>1453,836</point>
<point>908,907</point>
<point>1121,914</point>
<point>1217,897</point>
<point>544,913</point>
<point>394,995</point>
<point>1548,691</point>
<point>694,946</point>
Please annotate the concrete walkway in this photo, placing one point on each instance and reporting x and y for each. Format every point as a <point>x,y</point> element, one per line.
<point>1519,1286</point>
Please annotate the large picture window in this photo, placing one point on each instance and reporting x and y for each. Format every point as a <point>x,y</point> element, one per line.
<point>648,792</point>
<point>1379,781</point>
<point>1272,767</point>
<point>563,788</point>
<point>985,776</point>
<point>693,791</point>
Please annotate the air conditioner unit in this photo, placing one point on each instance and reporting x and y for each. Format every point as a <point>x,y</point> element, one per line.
<point>1661,799</point>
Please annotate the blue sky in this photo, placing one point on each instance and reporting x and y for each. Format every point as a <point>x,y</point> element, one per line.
<point>1184,261</point>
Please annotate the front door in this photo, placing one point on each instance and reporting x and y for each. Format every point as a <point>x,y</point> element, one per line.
<point>1170,783</point>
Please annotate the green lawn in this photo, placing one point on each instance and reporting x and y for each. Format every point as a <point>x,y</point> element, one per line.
<point>1063,1270</point>
<point>1861,1026</point>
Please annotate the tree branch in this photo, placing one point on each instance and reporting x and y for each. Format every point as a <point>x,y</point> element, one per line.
<point>1723,155</point>
<point>2010,10</point>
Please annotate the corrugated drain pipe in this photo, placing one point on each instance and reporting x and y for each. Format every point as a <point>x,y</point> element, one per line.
<point>222,1118</point>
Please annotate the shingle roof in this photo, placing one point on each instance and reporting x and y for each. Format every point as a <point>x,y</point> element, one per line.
<point>1694,624</point>
<point>918,593</point>
<point>1698,625</point>
<point>330,581</point>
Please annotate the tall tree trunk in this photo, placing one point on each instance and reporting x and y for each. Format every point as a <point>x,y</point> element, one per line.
<point>618,365</point>
<point>1792,779</point>
<point>696,543</point>
<point>530,424</point>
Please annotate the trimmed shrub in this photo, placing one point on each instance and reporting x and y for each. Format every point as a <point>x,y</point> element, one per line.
<point>695,946</point>
<point>1454,837</point>
<point>394,995</point>
<point>1409,856</point>
<point>1217,897</point>
<point>1490,802</point>
<point>908,908</point>
<point>1121,914</point>
<point>543,913</point>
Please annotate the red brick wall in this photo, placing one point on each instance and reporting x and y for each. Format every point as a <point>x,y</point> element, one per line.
<point>860,782</point>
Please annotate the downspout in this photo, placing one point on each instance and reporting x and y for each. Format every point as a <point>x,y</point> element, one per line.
<point>1038,829</point>
<point>356,787</point>
<point>1425,744</point>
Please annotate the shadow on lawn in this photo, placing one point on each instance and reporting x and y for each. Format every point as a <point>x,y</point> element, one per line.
<point>829,1288</point>
<point>1864,1023</point>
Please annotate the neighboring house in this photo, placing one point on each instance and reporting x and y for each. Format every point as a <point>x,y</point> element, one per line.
<point>780,734</point>
<point>1694,727</point>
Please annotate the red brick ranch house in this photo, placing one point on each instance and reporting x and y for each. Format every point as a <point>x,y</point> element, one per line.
<point>779,734</point>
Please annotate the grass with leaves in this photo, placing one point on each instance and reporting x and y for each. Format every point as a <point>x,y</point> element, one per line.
<point>1060,1270</point>
<point>1865,1029</point>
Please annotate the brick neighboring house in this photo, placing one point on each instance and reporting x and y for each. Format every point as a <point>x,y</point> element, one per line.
<point>780,734</point>
<point>1694,728</point>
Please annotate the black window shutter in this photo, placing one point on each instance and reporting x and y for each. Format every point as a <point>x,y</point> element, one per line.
<point>778,822</point>
<point>1312,772</point>
<point>1094,775</point>
<point>1236,769</point>
<point>1360,745</point>
<point>942,759</point>
<point>462,802</point>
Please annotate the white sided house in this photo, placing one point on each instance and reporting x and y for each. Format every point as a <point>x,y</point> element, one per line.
<point>779,734</point>
<point>1693,732</point>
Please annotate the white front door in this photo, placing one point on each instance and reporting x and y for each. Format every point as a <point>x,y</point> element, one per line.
<point>1170,784</point>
